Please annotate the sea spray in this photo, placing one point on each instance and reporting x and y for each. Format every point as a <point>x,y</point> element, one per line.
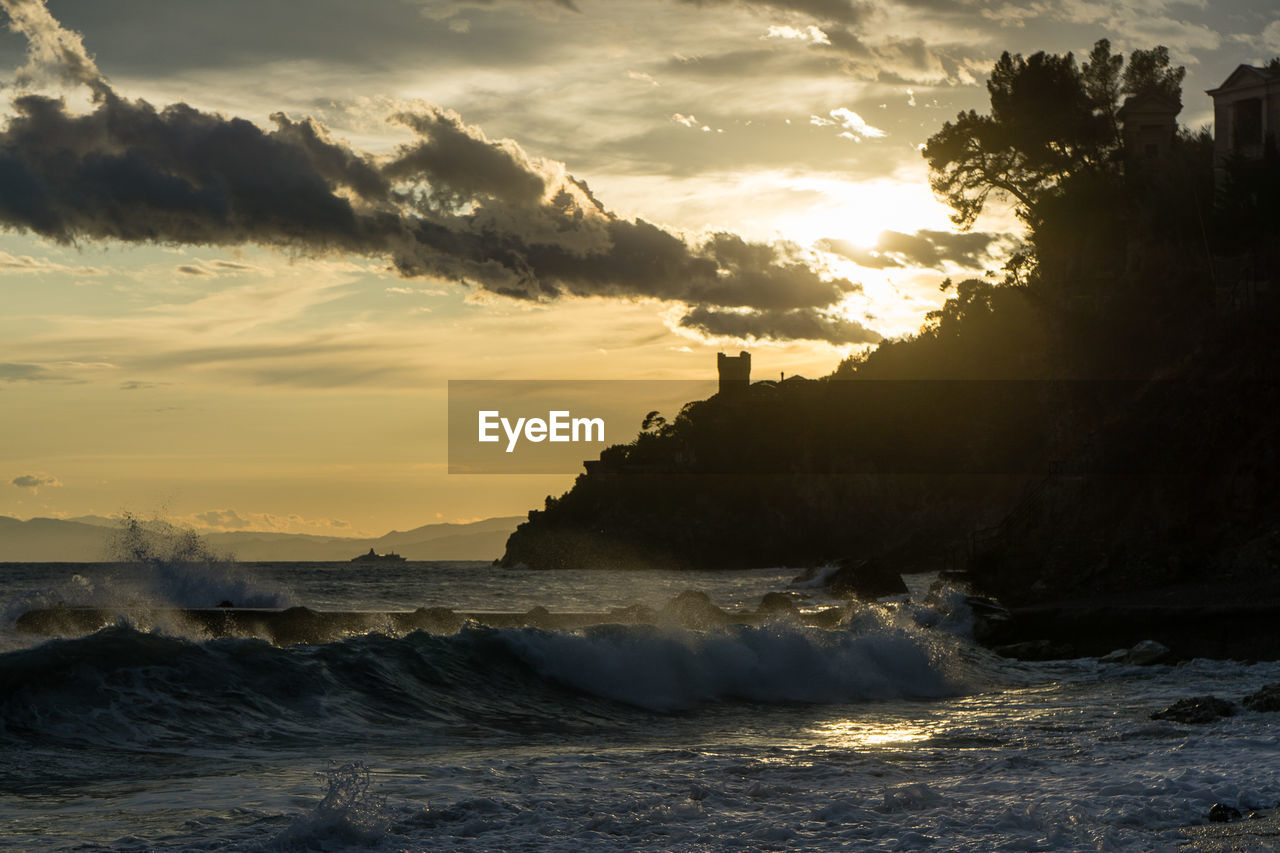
<point>179,569</point>
<point>349,813</point>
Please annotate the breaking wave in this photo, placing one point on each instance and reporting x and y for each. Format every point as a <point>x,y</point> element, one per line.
<point>122,686</point>
<point>154,564</point>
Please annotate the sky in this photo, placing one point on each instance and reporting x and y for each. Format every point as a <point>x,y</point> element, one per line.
<point>244,246</point>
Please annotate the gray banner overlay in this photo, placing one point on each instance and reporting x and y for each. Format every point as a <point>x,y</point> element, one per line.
<point>862,427</point>
<point>520,426</point>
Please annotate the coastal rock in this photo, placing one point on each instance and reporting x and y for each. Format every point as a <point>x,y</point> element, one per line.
<point>1146,652</point>
<point>1143,654</point>
<point>538,617</point>
<point>436,620</point>
<point>864,579</point>
<point>830,617</point>
<point>1196,710</point>
<point>693,609</point>
<point>1266,699</point>
<point>1220,813</point>
<point>777,605</point>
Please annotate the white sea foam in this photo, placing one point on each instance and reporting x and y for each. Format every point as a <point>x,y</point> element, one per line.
<point>671,668</point>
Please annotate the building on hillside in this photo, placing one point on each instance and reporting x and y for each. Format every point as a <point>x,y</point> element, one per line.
<point>735,373</point>
<point>1149,122</point>
<point>1246,114</point>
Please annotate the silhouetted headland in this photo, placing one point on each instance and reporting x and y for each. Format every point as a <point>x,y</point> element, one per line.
<point>1097,421</point>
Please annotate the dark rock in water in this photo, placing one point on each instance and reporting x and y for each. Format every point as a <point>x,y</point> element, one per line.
<point>831,617</point>
<point>1221,814</point>
<point>1196,710</point>
<point>436,620</point>
<point>1144,653</point>
<point>225,603</point>
<point>1036,650</point>
<point>639,614</point>
<point>864,579</point>
<point>1266,699</point>
<point>807,575</point>
<point>538,617</point>
<point>693,609</point>
<point>777,604</point>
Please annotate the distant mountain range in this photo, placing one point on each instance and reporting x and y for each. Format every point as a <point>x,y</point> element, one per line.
<point>90,538</point>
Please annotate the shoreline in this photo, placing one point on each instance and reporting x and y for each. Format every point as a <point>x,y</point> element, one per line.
<point>1259,831</point>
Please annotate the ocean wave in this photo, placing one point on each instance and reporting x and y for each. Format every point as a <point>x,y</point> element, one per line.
<point>666,670</point>
<point>121,686</point>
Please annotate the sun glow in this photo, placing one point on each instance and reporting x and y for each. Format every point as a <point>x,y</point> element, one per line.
<point>858,212</point>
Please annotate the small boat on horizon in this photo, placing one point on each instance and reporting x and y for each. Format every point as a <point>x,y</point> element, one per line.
<point>374,557</point>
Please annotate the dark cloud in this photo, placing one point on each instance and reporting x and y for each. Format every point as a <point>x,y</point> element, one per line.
<point>192,269</point>
<point>894,60</point>
<point>11,372</point>
<point>452,204</point>
<point>34,482</point>
<point>844,11</point>
<point>929,249</point>
<point>193,34</point>
<point>802,323</point>
<point>459,164</point>
<point>566,4</point>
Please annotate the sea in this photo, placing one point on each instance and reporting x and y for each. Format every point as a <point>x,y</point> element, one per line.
<point>891,731</point>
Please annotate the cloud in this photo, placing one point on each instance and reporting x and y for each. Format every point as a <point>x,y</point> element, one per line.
<point>844,11</point>
<point>855,127</point>
<point>16,372</point>
<point>452,204</point>
<point>810,34</point>
<point>778,325</point>
<point>34,482</point>
<point>27,264</point>
<point>52,51</point>
<point>223,520</point>
<point>192,269</point>
<point>215,268</point>
<point>925,248</point>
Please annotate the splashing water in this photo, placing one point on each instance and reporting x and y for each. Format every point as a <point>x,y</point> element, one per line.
<point>349,813</point>
<point>178,568</point>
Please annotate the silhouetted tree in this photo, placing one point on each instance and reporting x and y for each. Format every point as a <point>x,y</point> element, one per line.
<point>653,421</point>
<point>1050,120</point>
<point>1148,72</point>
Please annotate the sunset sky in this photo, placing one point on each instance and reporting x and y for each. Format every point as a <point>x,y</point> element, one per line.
<point>242,312</point>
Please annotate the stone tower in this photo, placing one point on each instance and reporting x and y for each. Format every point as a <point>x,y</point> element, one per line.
<point>735,373</point>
